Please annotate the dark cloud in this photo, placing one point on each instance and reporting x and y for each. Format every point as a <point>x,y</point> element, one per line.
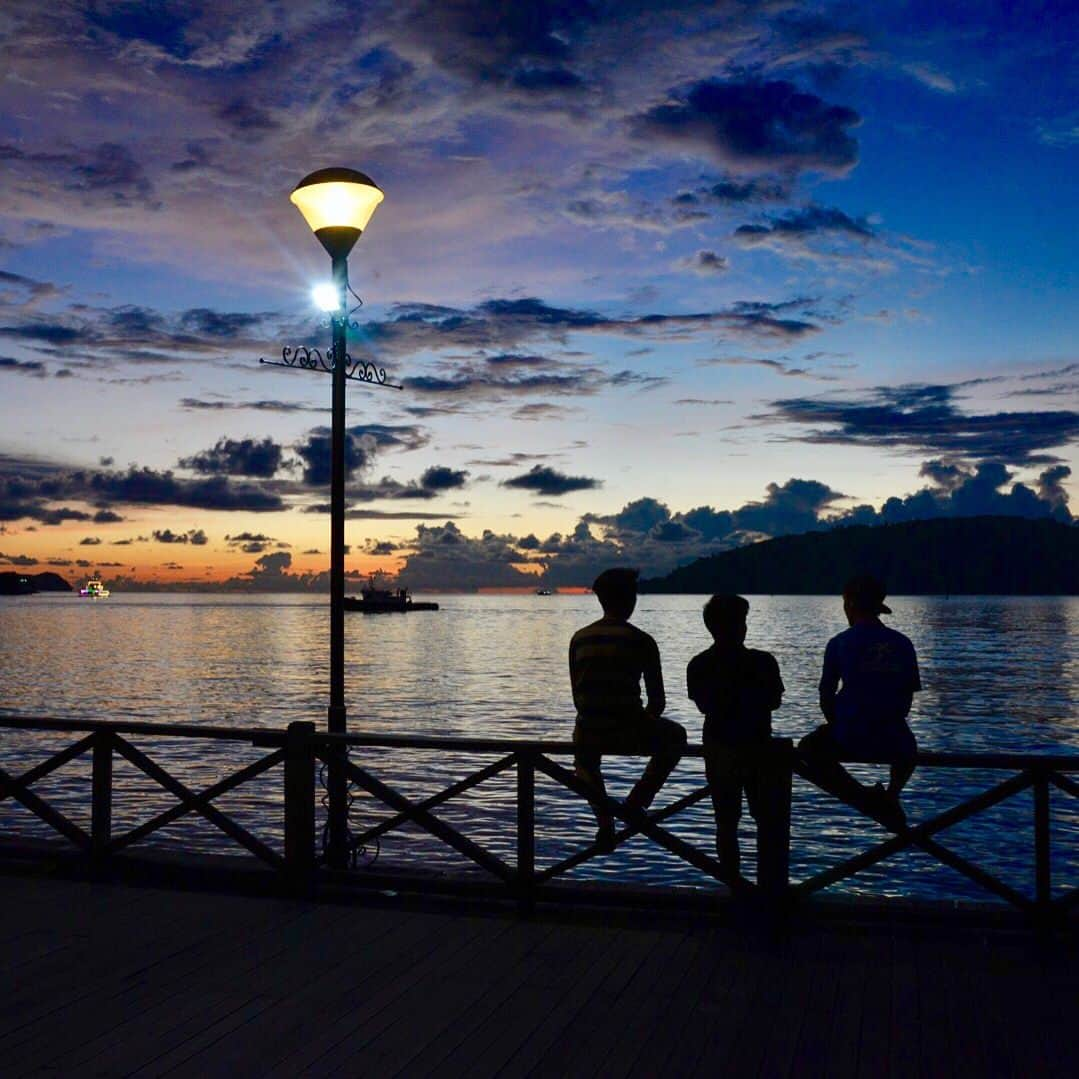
<point>734,191</point>
<point>90,541</point>
<point>19,559</point>
<point>195,536</point>
<point>441,478</point>
<point>362,443</point>
<point>237,457</point>
<point>195,404</point>
<point>106,516</point>
<point>219,324</point>
<point>756,126</point>
<point>442,556</point>
<point>541,410</point>
<point>503,326</point>
<point>805,222</point>
<point>30,488</point>
<point>958,491</point>
<point>549,481</point>
<point>706,263</point>
<point>105,173</point>
<point>34,368</point>
<point>925,418</point>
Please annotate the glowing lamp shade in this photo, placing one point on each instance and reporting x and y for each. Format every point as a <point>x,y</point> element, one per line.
<point>337,204</point>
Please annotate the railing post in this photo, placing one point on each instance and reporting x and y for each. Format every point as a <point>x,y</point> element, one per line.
<point>101,796</point>
<point>1043,884</point>
<point>300,806</point>
<point>526,832</point>
<point>774,824</point>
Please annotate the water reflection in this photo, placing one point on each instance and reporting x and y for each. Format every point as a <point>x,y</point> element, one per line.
<point>1000,673</point>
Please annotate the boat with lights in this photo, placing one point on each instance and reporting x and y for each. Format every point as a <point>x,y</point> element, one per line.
<point>94,589</point>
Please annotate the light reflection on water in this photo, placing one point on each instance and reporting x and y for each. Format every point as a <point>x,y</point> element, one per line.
<point>1000,674</point>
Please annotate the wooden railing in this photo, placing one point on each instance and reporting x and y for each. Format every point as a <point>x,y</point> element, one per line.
<point>299,750</point>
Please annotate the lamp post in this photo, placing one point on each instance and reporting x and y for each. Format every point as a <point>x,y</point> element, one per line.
<point>337,204</point>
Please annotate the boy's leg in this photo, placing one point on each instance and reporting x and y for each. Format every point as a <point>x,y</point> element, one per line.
<point>727,805</point>
<point>820,755</point>
<point>903,750</point>
<point>665,740</point>
<point>587,760</point>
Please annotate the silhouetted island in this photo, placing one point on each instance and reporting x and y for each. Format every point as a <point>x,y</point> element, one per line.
<point>949,556</point>
<point>23,584</point>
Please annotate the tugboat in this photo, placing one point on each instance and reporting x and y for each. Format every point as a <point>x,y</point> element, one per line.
<point>372,600</point>
<point>94,589</point>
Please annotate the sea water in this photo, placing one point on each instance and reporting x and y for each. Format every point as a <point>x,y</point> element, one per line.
<point>1000,674</point>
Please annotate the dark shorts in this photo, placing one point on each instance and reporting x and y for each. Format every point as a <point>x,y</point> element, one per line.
<point>644,736</point>
<point>891,742</point>
<point>732,770</point>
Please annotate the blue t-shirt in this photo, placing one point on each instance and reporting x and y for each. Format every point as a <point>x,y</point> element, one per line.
<point>878,669</point>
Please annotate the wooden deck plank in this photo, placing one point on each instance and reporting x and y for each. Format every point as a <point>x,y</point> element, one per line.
<point>563,980</point>
<point>418,961</point>
<point>120,980</point>
<point>432,1007</point>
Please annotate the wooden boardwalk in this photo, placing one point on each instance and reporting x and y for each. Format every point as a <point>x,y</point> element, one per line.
<point>113,979</point>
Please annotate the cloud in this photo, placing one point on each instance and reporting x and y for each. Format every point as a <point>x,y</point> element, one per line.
<point>90,541</point>
<point>441,478</point>
<point>550,482</point>
<point>362,443</point>
<point>506,326</point>
<point>780,367</point>
<point>34,368</point>
<point>237,457</point>
<point>106,516</point>
<point>735,191</point>
<point>195,404</point>
<point>958,491</point>
<point>30,488</point>
<point>195,536</point>
<point>705,263</point>
<point>756,127</point>
<point>106,173</point>
<point>923,418</point>
<point>19,559</point>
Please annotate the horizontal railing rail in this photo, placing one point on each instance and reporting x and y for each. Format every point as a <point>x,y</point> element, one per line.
<point>299,750</point>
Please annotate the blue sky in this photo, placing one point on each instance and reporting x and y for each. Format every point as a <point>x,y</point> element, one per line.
<point>657,279</point>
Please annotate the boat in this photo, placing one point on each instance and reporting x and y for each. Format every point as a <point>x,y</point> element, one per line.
<point>94,589</point>
<point>544,592</point>
<point>373,600</point>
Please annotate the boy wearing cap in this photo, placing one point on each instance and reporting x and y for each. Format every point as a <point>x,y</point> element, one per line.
<point>867,685</point>
<point>607,661</point>
<point>737,689</point>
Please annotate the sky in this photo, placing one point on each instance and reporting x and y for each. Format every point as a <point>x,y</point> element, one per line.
<point>654,279</point>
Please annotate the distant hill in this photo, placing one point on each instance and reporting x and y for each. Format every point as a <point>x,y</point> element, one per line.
<point>947,556</point>
<point>25,584</point>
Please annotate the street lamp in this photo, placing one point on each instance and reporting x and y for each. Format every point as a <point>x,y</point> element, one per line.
<point>337,204</point>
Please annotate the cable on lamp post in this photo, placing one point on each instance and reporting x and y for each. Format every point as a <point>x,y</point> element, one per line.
<point>337,204</point>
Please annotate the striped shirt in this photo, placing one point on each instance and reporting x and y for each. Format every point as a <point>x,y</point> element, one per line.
<point>606,663</point>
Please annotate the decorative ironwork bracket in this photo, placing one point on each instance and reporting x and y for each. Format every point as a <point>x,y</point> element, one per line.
<point>313,359</point>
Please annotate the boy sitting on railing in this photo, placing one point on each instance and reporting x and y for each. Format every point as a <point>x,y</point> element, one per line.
<point>737,689</point>
<point>867,717</point>
<point>607,661</point>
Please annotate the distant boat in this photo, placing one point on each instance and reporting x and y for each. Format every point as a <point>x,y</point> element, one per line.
<point>372,600</point>
<point>544,592</point>
<point>94,589</point>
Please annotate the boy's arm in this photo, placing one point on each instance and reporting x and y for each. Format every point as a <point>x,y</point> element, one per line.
<point>653,682</point>
<point>573,672</point>
<point>829,681</point>
<point>776,688</point>
<point>697,686</point>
